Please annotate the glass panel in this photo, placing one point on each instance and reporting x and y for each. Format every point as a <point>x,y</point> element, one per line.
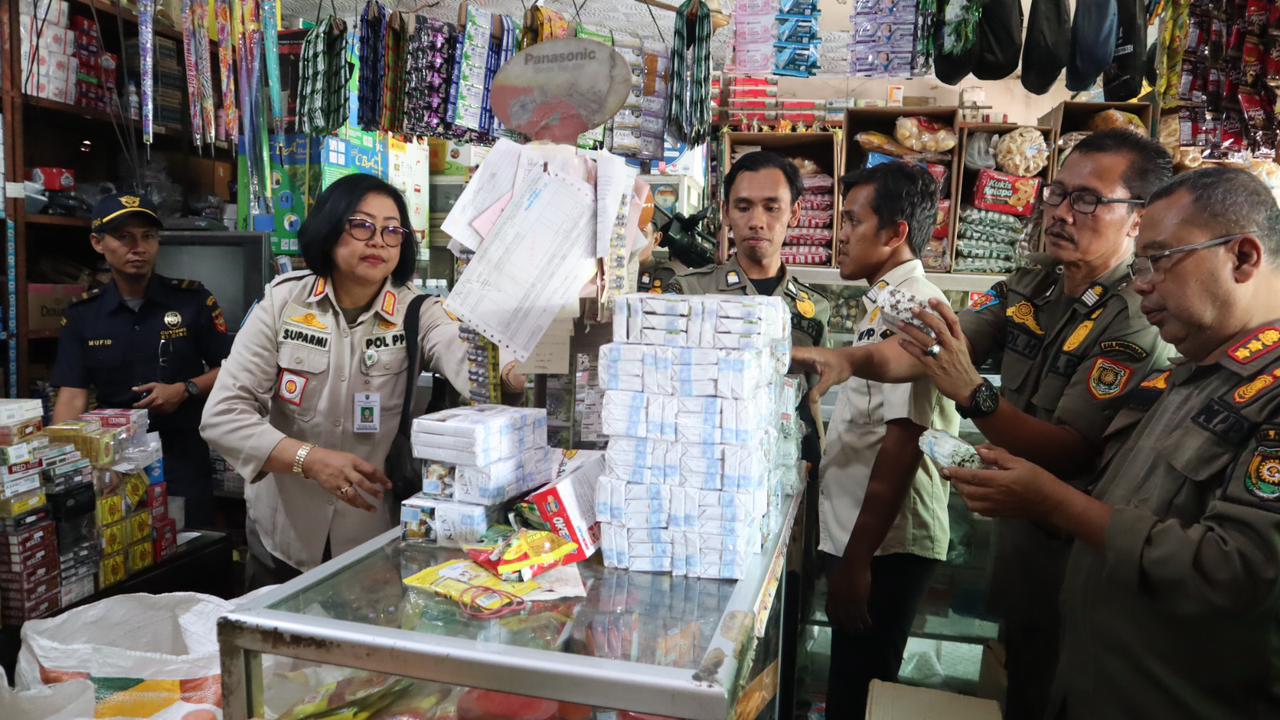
<point>651,619</point>
<point>305,691</point>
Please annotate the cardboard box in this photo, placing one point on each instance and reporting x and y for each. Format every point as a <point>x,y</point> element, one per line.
<point>964,184</point>
<point>140,556</point>
<point>47,302</point>
<point>893,701</point>
<point>111,570</point>
<point>1070,116</point>
<point>22,611</point>
<point>15,507</point>
<point>138,527</point>
<point>568,503</point>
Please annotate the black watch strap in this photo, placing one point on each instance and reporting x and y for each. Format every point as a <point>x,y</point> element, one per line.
<point>982,403</point>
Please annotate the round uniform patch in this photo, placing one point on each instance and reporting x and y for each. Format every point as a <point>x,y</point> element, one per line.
<point>805,307</point>
<point>1263,479</point>
<point>172,320</point>
<point>1078,336</point>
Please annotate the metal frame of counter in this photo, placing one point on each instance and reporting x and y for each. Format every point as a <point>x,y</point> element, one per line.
<point>707,693</point>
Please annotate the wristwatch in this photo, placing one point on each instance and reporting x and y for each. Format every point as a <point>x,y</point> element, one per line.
<point>193,390</point>
<point>982,403</point>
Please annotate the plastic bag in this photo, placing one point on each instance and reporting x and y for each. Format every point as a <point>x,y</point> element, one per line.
<point>949,451</point>
<point>923,134</point>
<point>1093,42</point>
<point>1022,152</point>
<point>166,644</point>
<point>70,700</point>
<point>1047,48</point>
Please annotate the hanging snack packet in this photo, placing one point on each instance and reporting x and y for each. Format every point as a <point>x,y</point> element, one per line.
<point>523,555</point>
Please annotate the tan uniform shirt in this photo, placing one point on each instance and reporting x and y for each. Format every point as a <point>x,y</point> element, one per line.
<point>1178,615</point>
<point>294,371</point>
<point>857,430</point>
<point>1065,360</point>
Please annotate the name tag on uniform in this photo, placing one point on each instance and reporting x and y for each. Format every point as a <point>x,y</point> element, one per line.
<point>368,412</point>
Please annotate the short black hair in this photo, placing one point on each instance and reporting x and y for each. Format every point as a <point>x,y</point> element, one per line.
<point>904,192</point>
<point>1150,165</point>
<point>327,220</point>
<point>763,160</point>
<point>1228,201</point>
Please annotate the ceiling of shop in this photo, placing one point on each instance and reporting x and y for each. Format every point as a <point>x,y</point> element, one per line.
<point>615,15</point>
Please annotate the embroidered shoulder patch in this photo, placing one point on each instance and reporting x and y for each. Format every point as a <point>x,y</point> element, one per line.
<point>1108,378</point>
<point>1078,336</point>
<point>1263,477</point>
<point>1024,313</point>
<point>1124,347</point>
<point>1159,381</point>
<point>984,301</point>
<point>292,387</point>
<point>1249,391</point>
<point>1256,345</point>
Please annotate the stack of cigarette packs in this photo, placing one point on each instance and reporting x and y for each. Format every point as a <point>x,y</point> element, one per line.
<point>474,459</point>
<point>694,396</point>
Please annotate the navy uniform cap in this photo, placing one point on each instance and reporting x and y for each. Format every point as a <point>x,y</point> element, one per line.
<point>113,210</point>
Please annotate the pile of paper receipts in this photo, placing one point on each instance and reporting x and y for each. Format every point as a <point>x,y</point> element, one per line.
<point>695,401</point>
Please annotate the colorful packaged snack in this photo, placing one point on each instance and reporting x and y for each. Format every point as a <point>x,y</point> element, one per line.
<point>523,555</point>
<point>1007,194</point>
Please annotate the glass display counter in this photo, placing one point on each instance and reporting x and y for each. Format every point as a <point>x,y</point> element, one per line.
<point>636,643</point>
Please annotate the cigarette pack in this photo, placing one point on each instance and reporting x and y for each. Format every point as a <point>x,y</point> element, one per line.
<point>14,507</point>
<point>76,590</point>
<point>115,538</point>
<point>110,509</point>
<point>140,556</point>
<point>440,522</point>
<point>138,527</point>
<point>21,610</point>
<point>112,569</point>
<point>16,432</point>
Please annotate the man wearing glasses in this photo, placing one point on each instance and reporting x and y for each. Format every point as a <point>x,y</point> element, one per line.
<point>1169,602</point>
<point>145,341</point>
<point>1071,342</point>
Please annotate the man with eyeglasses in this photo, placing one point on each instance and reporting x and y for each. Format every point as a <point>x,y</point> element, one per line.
<point>145,341</point>
<point>1071,343</point>
<point>1171,598</point>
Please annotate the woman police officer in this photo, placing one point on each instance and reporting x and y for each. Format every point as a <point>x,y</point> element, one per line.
<point>310,399</point>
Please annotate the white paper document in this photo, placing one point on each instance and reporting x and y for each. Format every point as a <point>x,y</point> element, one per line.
<point>493,180</point>
<point>534,261</point>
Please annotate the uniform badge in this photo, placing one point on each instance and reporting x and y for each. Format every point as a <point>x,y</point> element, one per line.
<point>874,316</point>
<point>805,306</point>
<point>129,201</point>
<point>645,278</point>
<point>389,304</point>
<point>386,326</point>
<point>982,301</point>
<point>1157,382</point>
<point>1024,313</point>
<point>172,320</point>
<point>317,290</point>
<point>1255,346</point>
<point>309,320</point>
<point>1078,336</point>
<point>292,386</point>
<point>1254,387</point>
<point>1124,347</point>
<point>1097,313</point>
<point>1092,295</point>
<point>219,321</point>
<point>210,301</point>
<point>1108,378</point>
<point>451,316</point>
<point>732,278</point>
<point>656,288</point>
<point>1263,479</point>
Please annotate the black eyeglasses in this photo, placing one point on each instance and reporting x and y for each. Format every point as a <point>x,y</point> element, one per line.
<point>1085,202</point>
<point>1143,269</point>
<point>364,230</point>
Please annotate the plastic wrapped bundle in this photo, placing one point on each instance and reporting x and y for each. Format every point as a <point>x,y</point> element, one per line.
<point>949,451</point>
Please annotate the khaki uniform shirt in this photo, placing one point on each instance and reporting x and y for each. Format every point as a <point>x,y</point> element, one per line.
<point>294,371</point>
<point>857,430</point>
<point>1178,614</point>
<point>1065,360</point>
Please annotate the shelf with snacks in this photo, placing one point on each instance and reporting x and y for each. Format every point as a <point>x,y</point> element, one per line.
<point>1071,121</point>
<point>811,239</point>
<point>920,134</point>
<point>1003,167</point>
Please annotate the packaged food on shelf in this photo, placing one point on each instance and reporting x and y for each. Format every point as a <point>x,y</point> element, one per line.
<point>1006,194</point>
<point>924,134</point>
<point>1022,152</point>
<point>881,143</point>
<point>440,522</point>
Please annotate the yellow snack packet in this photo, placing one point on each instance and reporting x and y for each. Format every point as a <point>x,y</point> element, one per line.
<point>452,579</point>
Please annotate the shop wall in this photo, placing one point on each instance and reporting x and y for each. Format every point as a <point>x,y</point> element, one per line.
<point>1005,96</point>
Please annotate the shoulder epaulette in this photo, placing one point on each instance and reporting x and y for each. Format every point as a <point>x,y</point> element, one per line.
<point>290,276</point>
<point>813,292</point>
<point>181,284</point>
<point>87,295</point>
<point>704,270</point>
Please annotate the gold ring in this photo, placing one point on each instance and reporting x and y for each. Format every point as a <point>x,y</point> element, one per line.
<point>343,492</point>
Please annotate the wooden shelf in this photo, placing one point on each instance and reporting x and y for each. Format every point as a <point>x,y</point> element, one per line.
<point>58,220</point>
<point>89,114</point>
<point>106,7</point>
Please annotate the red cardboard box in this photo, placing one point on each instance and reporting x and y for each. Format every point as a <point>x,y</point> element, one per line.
<point>24,541</point>
<point>54,178</point>
<point>20,612</point>
<point>568,503</point>
<point>166,538</point>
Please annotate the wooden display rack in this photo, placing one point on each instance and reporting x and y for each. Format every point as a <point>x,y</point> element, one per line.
<point>966,178</point>
<point>1071,116</point>
<point>823,148</point>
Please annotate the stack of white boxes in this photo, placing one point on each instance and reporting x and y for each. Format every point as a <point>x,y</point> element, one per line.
<point>49,44</point>
<point>694,387</point>
<point>474,459</point>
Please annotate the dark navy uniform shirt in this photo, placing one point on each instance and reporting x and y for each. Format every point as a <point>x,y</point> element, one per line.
<point>171,338</point>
